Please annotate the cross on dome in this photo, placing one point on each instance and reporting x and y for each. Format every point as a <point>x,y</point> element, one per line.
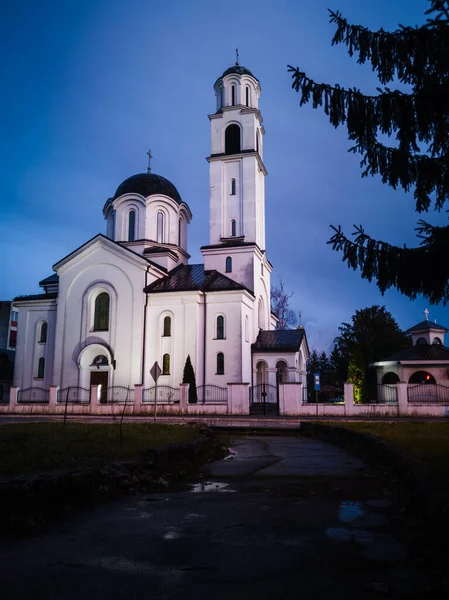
<point>426,312</point>
<point>150,156</point>
<point>236,57</point>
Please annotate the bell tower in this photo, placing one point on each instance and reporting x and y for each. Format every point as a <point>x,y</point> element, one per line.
<point>237,172</point>
<point>237,185</point>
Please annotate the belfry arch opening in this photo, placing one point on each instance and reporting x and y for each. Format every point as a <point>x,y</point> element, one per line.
<point>232,139</point>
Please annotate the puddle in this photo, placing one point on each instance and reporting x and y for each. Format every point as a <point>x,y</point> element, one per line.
<point>171,535</point>
<point>382,503</point>
<point>211,486</point>
<point>350,511</point>
<point>359,536</point>
<point>231,454</point>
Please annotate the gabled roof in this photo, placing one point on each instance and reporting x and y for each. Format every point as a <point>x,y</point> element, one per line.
<point>101,237</point>
<point>285,340</point>
<point>193,277</point>
<point>49,296</point>
<point>51,279</point>
<point>426,326</point>
<point>421,353</point>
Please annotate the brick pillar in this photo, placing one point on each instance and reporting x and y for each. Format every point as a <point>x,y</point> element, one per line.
<point>13,393</point>
<point>138,398</point>
<point>52,398</point>
<point>94,399</point>
<point>290,400</point>
<point>402,399</point>
<point>238,398</point>
<point>184,399</point>
<point>349,398</point>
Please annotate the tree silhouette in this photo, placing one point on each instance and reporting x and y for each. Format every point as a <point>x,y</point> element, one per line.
<point>419,58</point>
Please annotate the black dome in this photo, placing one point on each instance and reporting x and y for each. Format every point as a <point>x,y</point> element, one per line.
<point>238,70</point>
<point>148,184</point>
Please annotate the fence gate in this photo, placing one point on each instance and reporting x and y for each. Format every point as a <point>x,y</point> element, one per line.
<point>264,399</point>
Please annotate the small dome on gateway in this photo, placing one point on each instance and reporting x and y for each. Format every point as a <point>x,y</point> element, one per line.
<point>148,184</point>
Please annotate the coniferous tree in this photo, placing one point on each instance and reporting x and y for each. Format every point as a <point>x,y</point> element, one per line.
<point>418,158</point>
<point>189,377</point>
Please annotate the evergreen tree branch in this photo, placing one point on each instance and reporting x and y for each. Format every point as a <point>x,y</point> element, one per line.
<point>408,53</point>
<point>413,271</point>
<point>398,167</point>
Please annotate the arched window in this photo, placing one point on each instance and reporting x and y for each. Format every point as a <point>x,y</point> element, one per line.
<point>232,139</point>
<point>390,378</point>
<point>246,329</point>
<point>166,364</point>
<point>220,327</point>
<point>281,371</point>
<point>101,315</point>
<point>41,368</point>
<point>228,264</point>
<point>437,341</point>
<point>233,228</point>
<point>421,341</point>
<point>160,227</point>
<point>247,95</point>
<point>422,377</point>
<point>43,335</point>
<point>233,95</point>
<point>232,187</point>
<point>167,327</point>
<point>220,363</point>
<point>180,232</point>
<point>132,226</point>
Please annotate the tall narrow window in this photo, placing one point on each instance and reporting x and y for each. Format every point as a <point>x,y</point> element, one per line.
<point>180,233</point>
<point>132,226</point>
<point>228,264</point>
<point>247,96</point>
<point>43,335</point>
<point>232,187</point>
<point>166,364</point>
<point>220,327</point>
<point>232,139</point>
<point>233,95</point>
<point>233,228</point>
<point>220,363</point>
<point>41,368</point>
<point>101,316</point>
<point>160,227</point>
<point>257,141</point>
<point>167,327</point>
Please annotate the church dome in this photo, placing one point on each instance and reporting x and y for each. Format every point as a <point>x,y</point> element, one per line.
<point>148,184</point>
<point>238,70</point>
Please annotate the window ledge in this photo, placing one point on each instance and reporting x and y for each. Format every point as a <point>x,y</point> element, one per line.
<point>219,339</point>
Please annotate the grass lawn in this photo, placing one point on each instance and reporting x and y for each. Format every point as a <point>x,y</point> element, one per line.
<point>427,441</point>
<point>35,447</point>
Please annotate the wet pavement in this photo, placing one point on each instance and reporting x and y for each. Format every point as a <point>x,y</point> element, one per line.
<point>280,516</point>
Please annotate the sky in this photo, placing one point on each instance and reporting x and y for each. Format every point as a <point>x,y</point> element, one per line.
<point>90,85</point>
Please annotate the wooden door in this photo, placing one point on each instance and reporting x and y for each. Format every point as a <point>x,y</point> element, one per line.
<point>100,378</point>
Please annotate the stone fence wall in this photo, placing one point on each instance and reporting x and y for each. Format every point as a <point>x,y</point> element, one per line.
<point>238,403</point>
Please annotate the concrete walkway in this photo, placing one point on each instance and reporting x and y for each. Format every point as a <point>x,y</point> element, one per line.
<point>279,518</point>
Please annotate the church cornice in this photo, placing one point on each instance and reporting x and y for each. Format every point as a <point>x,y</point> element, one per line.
<point>244,110</point>
<point>226,157</point>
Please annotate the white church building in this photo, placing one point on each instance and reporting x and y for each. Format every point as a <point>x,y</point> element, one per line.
<point>130,298</point>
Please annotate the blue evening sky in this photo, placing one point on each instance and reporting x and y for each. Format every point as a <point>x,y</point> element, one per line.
<point>90,85</point>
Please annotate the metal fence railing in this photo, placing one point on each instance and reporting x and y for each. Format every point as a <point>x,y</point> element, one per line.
<point>212,394</point>
<point>117,394</point>
<point>164,394</point>
<point>387,394</point>
<point>73,395</point>
<point>428,393</point>
<point>33,395</point>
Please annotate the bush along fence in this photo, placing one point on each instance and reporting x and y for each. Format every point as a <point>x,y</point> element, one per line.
<point>289,399</point>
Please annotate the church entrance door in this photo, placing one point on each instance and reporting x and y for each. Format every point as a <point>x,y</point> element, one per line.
<point>100,378</point>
